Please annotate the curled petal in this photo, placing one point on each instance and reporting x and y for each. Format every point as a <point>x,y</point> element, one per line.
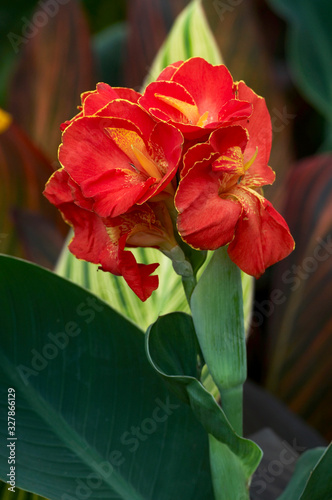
<point>262,236</point>
<point>234,110</point>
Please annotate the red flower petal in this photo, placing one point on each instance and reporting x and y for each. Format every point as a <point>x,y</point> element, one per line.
<point>234,110</point>
<point>137,275</point>
<point>125,110</point>
<point>262,236</point>
<point>128,94</point>
<point>156,95</point>
<point>198,152</point>
<point>205,221</point>
<point>98,99</point>
<point>260,136</point>
<point>87,152</point>
<point>116,191</point>
<point>93,241</point>
<point>165,148</point>
<point>210,92</point>
<point>230,143</point>
<point>168,72</point>
<point>57,190</point>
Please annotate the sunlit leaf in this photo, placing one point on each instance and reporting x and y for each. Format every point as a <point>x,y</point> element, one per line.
<point>190,36</point>
<point>113,289</point>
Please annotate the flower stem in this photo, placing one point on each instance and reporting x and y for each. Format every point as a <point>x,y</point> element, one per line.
<point>217,310</point>
<point>189,283</point>
<point>232,404</point>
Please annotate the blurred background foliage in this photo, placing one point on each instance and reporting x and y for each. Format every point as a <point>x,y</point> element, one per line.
<point>283,50</point>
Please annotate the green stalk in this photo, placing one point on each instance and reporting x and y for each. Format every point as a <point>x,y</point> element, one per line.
<point>232,404</point>
<point>217,309</point>
<point>189,284</point>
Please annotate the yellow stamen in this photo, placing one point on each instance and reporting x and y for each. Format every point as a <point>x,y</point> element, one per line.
<point>149,166</point>
<point>203,119</point>
<point>251,161</point>
<point>188,110</point>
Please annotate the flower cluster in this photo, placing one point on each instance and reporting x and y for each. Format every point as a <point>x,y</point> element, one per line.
<point>187,158</point>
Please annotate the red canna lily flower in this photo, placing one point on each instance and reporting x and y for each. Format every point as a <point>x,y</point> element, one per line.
<point>102,240</point>
<point>196,97</point>
<point>121,157</point>
<point>217,197</point>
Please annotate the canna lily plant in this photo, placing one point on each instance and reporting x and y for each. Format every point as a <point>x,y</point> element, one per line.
<point>180,171</point>
<point>178,168</point>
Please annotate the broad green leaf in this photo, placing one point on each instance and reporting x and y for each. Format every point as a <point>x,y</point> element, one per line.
<point>93,418</point>
<point>172,350</point>
<point>312,479</point>
<point>113,289</point>
<point>310,50</point>
<point>217,310</point>
<point>190,36</point>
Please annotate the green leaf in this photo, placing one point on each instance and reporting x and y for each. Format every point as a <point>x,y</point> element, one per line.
<point>113,289</point>
<point>217,309</point>
<point>172,350</point>
<point>312,479</point>
<point>92,417</point>
<point>190,36</point>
